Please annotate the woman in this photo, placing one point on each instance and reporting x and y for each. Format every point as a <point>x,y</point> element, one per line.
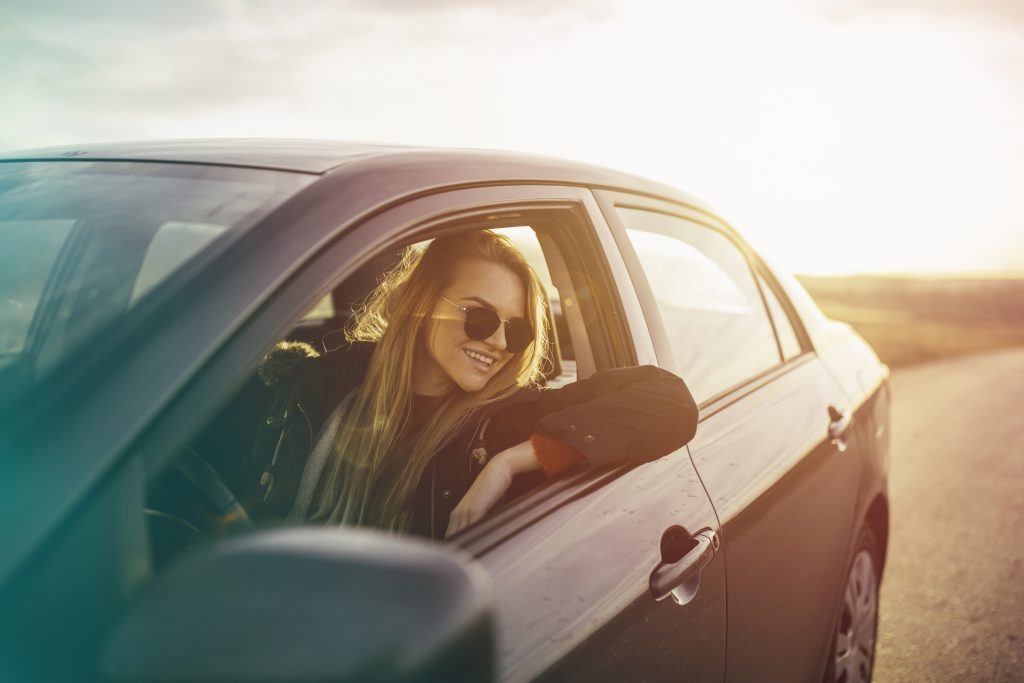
<point>436,405</point>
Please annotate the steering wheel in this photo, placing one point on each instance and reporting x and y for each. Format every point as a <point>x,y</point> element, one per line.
<point>195,505</point>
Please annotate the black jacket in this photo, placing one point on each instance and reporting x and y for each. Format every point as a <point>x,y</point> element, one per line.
<point>632,414</point>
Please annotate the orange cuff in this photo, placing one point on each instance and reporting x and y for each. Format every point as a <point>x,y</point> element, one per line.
<point>554,456</point>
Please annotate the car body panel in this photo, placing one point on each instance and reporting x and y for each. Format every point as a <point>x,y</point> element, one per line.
<point>379,172</point>
<point>785,496</point>
<point>576,590</point>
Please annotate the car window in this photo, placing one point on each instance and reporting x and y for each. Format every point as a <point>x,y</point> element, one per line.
<point>525,239</point>
<point>30,253</point>
<point>174,243</point>
<point>788,342</point>
<point>75,260</point>
<point>227,443</point>
<point>324,309</point>
<point>708,300</point>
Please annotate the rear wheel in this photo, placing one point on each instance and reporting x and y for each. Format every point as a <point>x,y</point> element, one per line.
<point>853,651</point>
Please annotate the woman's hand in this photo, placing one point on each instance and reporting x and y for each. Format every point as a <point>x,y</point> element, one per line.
<point>491,484</point>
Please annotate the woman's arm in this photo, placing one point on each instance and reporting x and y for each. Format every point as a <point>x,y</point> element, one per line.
<point>623,415</point>
<point>490,485</point>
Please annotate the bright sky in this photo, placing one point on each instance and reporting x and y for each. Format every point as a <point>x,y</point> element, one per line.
<point>836,135</point>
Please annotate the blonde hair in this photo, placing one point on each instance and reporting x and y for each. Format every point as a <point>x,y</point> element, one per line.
<point>376,465</point>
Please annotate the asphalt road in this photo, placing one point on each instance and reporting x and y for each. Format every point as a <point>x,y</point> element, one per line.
<point>953,593</point>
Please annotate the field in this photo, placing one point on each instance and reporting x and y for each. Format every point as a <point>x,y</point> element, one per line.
<point>908,320</point>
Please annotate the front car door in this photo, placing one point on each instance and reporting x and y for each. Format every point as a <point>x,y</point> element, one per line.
<point>572,561</point>
<point>784,492</point>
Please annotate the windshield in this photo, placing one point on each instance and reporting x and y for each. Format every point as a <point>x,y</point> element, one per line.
<point>84,242</point>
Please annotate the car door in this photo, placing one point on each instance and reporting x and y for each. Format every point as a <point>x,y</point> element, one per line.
<point>572,561</point>
<point>784,490</point>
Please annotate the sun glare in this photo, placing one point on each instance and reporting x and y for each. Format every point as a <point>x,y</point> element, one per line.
<point>838,136</point>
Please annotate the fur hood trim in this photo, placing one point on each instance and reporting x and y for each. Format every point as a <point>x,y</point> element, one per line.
<point>282,359</point>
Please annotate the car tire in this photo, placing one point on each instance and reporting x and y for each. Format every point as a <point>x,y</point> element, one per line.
<point>852,652</point>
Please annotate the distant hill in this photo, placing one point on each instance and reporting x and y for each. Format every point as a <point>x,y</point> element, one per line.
<point>910,319</point>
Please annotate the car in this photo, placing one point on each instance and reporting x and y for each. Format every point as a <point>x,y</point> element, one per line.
<point>142,284</point>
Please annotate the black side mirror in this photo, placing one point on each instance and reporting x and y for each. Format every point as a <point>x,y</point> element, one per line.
<point>309,605</point>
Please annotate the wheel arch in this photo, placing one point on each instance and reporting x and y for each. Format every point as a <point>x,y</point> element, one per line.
<point>877,518</point>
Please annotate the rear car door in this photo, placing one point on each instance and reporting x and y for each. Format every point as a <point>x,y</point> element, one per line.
<point>784,490</point>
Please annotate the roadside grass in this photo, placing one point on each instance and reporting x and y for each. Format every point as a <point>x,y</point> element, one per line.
<point>911,320</point>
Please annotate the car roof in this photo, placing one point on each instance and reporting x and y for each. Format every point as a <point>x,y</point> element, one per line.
<point>320,157</point>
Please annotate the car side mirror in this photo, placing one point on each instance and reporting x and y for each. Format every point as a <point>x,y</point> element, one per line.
<point>307,604</point>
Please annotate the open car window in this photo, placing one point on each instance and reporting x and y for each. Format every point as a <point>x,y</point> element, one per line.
<point>233,440</point>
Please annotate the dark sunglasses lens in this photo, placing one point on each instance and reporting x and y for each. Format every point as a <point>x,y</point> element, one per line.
<point>518,335</point>
<point>481,323</point>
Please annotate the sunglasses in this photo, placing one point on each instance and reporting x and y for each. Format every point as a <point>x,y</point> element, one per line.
<point>481,323</point>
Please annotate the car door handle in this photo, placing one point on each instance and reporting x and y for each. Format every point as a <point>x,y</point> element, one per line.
<point>838,427</point>
<point>680,576</point>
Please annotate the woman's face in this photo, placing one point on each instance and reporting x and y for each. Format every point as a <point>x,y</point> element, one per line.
<point>447,356</point>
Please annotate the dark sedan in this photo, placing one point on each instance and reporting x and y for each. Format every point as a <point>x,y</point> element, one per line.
<point>142,284</point>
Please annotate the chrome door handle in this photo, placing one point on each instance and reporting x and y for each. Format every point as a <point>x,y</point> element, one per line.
<point>838,426</point>
<point>680,577</point>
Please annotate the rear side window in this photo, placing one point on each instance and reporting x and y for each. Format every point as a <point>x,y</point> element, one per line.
<point>708,300</point>
<point>789,345</point>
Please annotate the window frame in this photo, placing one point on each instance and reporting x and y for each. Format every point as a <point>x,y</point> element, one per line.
<point>795,321</point>
<point>576,229</point>
<point>599,352</point>
<point>610,201</point>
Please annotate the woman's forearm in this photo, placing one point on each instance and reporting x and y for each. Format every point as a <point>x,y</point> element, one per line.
<point>519,458</point>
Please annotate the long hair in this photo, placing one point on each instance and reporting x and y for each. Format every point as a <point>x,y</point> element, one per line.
<point>376,465</point>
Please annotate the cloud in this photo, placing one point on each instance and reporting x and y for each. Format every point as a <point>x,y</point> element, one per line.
<point>84,76</point>
<point>788,114</point>
<point>121,69</point>
<point>442,73</point>
<point>525,8</point>
<point>999,13</point>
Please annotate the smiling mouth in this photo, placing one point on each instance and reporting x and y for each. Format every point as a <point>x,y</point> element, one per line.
<point>482,361</point>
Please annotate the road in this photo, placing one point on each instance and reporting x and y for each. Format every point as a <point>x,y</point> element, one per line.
<point>953,593</point>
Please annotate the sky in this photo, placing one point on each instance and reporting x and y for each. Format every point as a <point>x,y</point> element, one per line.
<point>838,136</point>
